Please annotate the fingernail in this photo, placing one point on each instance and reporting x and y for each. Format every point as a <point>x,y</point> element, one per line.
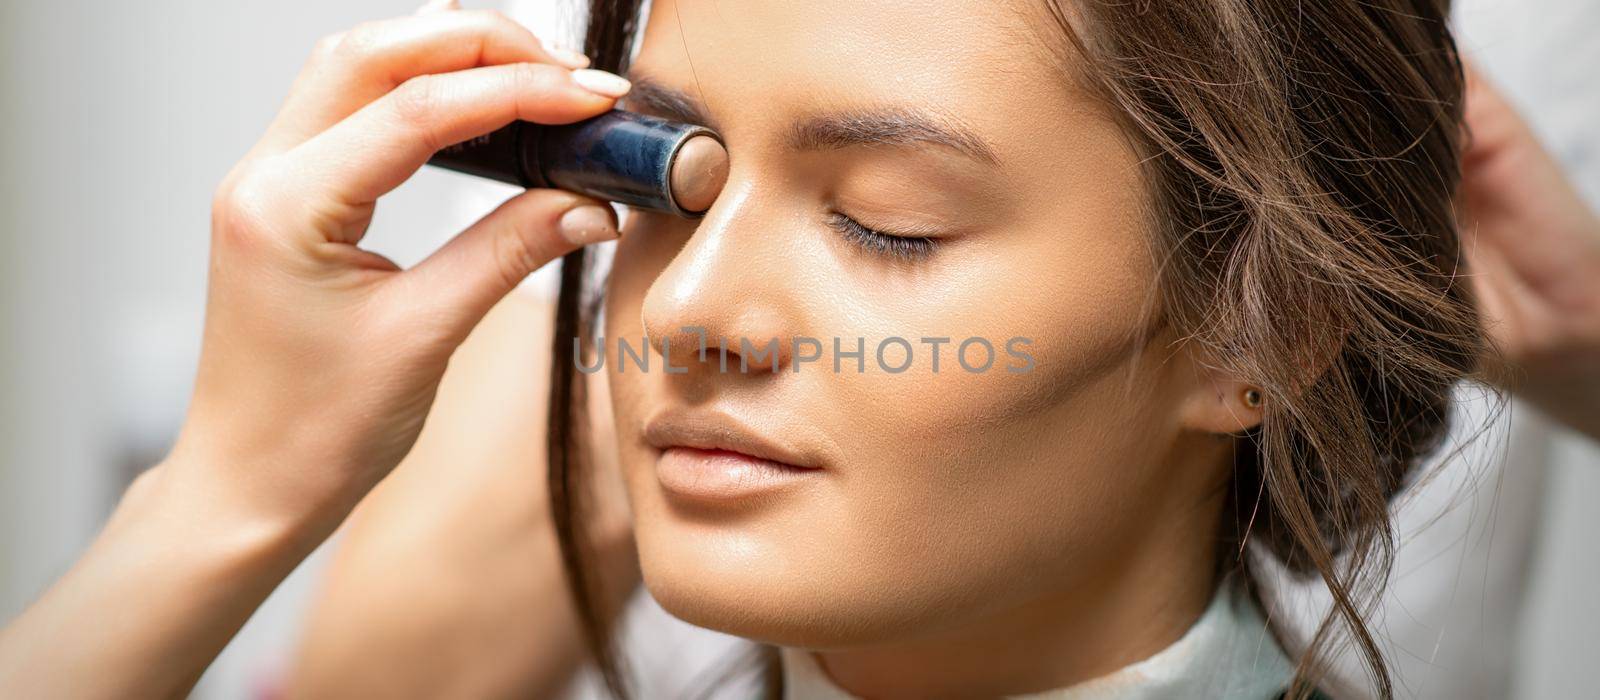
<point>437,6</point>
<point>601,82</point>
<point>587,224</point>
<point>568,58</point>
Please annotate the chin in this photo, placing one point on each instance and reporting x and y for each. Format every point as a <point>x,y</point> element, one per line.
<point>782,589</point>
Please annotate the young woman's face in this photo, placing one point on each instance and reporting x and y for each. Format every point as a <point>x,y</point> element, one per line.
<point>927,499</point>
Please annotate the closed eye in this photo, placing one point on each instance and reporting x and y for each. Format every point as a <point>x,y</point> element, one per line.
<point>896,246</point>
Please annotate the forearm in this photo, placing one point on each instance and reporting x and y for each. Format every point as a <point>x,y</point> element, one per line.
<point>467,619</point>
<point>173,576</point>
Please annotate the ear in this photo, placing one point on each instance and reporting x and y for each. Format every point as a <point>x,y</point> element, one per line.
<point>1219,403</point>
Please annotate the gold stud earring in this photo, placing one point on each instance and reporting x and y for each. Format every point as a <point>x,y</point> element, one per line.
<point>1252,397</point>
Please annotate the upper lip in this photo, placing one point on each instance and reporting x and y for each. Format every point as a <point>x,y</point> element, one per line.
<point>708,430</point>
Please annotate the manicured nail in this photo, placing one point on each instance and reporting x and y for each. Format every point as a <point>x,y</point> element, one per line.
<point>587,224</point>
<point>567,57</point>
<point>601,82</point>
<point>438,6</point>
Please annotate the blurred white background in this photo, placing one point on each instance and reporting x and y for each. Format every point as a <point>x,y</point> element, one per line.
<point>120,118</point>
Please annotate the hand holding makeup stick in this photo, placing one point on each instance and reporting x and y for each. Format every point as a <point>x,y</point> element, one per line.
<point>1534,248</point>
<point>320,360</point>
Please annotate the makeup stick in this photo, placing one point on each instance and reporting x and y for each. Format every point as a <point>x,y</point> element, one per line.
<point>619,156</point>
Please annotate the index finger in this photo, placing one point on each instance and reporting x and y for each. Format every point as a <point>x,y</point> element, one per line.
<point>382,144</point>
<point>349,70</point>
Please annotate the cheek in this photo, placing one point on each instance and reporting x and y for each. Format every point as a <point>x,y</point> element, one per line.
<point>1018,476</point>
<point>648,244</point>
<point>1009,472</point>
<point>1074,299</point>
<point>645,249</point>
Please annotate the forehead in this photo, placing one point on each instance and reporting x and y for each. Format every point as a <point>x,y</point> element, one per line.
<point>988,62</point>
<point>853,30</point>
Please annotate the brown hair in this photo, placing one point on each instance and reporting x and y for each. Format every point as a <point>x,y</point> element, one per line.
<point>1301,161</point>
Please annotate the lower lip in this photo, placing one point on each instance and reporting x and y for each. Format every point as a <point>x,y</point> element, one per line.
<point>723,476</point>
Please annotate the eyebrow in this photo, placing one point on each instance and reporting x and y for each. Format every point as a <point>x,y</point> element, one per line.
<point>832,130</point>
<point>669,103</point>
<point>889,127</point>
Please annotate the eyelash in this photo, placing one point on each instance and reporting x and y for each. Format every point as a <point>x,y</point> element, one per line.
<point>885,243</point>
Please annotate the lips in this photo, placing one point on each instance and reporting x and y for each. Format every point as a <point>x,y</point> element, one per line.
<point>712,459</point>
<point>719,433</point>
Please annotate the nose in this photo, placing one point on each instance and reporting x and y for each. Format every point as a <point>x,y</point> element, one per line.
<point>725,302</point>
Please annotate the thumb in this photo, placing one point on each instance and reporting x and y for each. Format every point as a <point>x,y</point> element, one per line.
<point>459,283</point>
